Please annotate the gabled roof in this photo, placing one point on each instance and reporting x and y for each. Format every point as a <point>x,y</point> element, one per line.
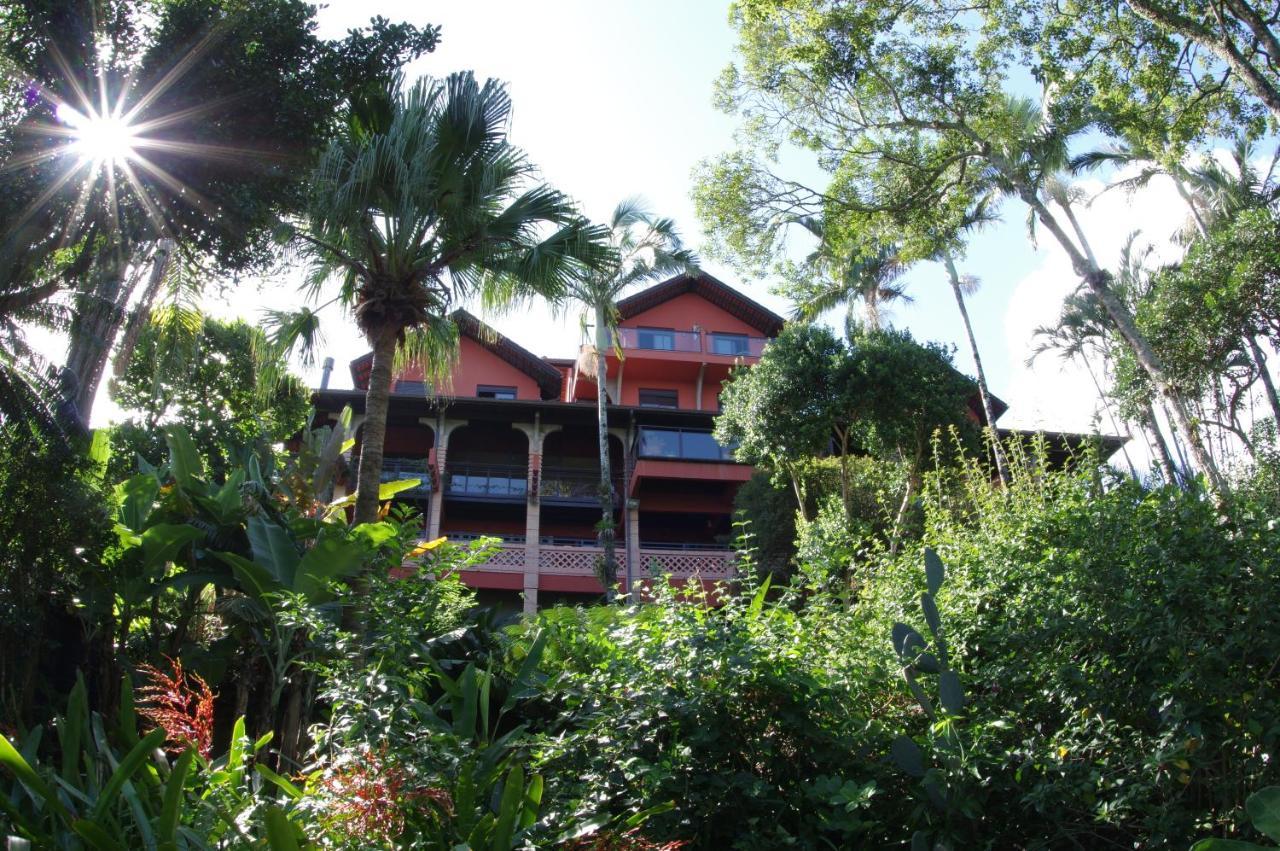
<point>547,376</point>
<point>717,292</point>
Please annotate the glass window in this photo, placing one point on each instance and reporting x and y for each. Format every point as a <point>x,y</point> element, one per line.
<point>419,387</point>
<point>729,344</point>
<point>489,391</point>
<point>699,446</point>
<point>659,443</point>
<point>663,339</point>
<point>659,398</point>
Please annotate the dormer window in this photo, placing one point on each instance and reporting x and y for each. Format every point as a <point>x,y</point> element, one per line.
<point>493,391</point>
<point>662,339</point>
<point>418,388</point>
<point>729,344</point>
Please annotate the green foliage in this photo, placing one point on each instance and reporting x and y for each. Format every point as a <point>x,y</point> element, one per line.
<point>113,789</point>
<point>53,528</point>
<point>219,386</point>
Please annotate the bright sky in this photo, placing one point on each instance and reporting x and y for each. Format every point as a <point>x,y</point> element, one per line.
<point>613,99</point>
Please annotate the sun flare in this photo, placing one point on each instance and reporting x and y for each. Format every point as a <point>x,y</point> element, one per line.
<point>100,139</point>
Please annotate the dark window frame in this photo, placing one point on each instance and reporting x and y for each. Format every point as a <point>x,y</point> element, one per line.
<point>669,334</point>
<point>492,391</point>
<point>742,342</point>
<point>664,392</point>
<point>411,386</point>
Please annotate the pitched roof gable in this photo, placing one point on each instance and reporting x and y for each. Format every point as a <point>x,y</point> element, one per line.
<point>547,376</point>
<point>715,291</point>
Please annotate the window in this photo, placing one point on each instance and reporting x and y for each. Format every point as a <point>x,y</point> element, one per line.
<point>418,387</point>
<point>490,391</point>
<point>686,444</point>
<point>663,339</point>
<point>729,344</point>
<point>659,398</point>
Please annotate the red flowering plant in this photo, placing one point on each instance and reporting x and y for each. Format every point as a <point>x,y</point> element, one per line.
<point>181,704</point>
<point>368,796</point>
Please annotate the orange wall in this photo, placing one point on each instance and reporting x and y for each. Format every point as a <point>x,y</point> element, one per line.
<point>477,365</point>
<point>687,310</point>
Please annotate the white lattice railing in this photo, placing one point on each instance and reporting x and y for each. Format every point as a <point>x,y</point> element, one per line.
<point>683,564</point>
<point>508,559</point>
<point>574,561</point>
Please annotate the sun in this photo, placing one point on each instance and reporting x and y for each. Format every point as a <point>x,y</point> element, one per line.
<point>101,139</point>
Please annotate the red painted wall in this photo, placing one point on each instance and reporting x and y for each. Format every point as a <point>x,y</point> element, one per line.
<point>477,365</point>
<point>685,311</point>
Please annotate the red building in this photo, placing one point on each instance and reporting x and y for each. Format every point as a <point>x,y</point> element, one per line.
<point>509,449</point>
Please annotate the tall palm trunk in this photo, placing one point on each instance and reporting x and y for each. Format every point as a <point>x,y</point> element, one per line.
<point>373,438</point>
<point>142,311</point>
<point>376,402</point>
<point>1098,281</point>
<point>1002,466</point>
<point>606,534</point>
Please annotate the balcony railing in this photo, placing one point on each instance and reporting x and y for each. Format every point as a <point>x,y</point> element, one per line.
<point>704,342</point>
<point>566,484</point>
<point>680,444</point>
<point>397,469</point>
<point>486,481</point>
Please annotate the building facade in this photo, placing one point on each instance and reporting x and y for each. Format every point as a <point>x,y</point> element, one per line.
<point>510,449</point>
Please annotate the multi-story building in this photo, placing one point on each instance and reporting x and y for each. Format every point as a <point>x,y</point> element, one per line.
<point>510,447</point>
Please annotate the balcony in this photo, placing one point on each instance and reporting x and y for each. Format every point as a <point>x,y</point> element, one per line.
<point>398,469</point>
<point>680,444</point>
<point>694,342</point>
<point>573,486</point>
<point>488,482</point>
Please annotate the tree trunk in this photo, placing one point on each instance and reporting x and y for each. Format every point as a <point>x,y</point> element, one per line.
<point>100,311</point>
<point>1260,361</point>
<point>142,310</point>
<point>1099,282</point>
<point>606,534</point>
<point>1162,448</point>
<point>1002,466</point>
<point>374,433</point>
<point>369,477</point>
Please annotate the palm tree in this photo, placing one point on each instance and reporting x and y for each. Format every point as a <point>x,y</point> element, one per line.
<point>422,201</point>
<point>642,249</point>
<point>962,286</point>
<point>842,272</point>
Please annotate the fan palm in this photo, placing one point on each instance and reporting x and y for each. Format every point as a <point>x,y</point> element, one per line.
<point>641,249</point>
<point>839,272</point>
<point>421,202</point>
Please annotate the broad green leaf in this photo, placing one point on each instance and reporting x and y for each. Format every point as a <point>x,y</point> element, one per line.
<point>1263,808</point>
<point>280,835</point>
<point>71,730</point>
<point>161,543</point>
<point>254,579</point>
<point>757,601</point>
<point>950,692</point>
<point>334,556</point>
<point>934,572</point>
<point>1226,845</point>
<point>184,460</point>
<point>509,809</point>
<point>273,549</point>
<point>906,754</point>
<point>137,496</point>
